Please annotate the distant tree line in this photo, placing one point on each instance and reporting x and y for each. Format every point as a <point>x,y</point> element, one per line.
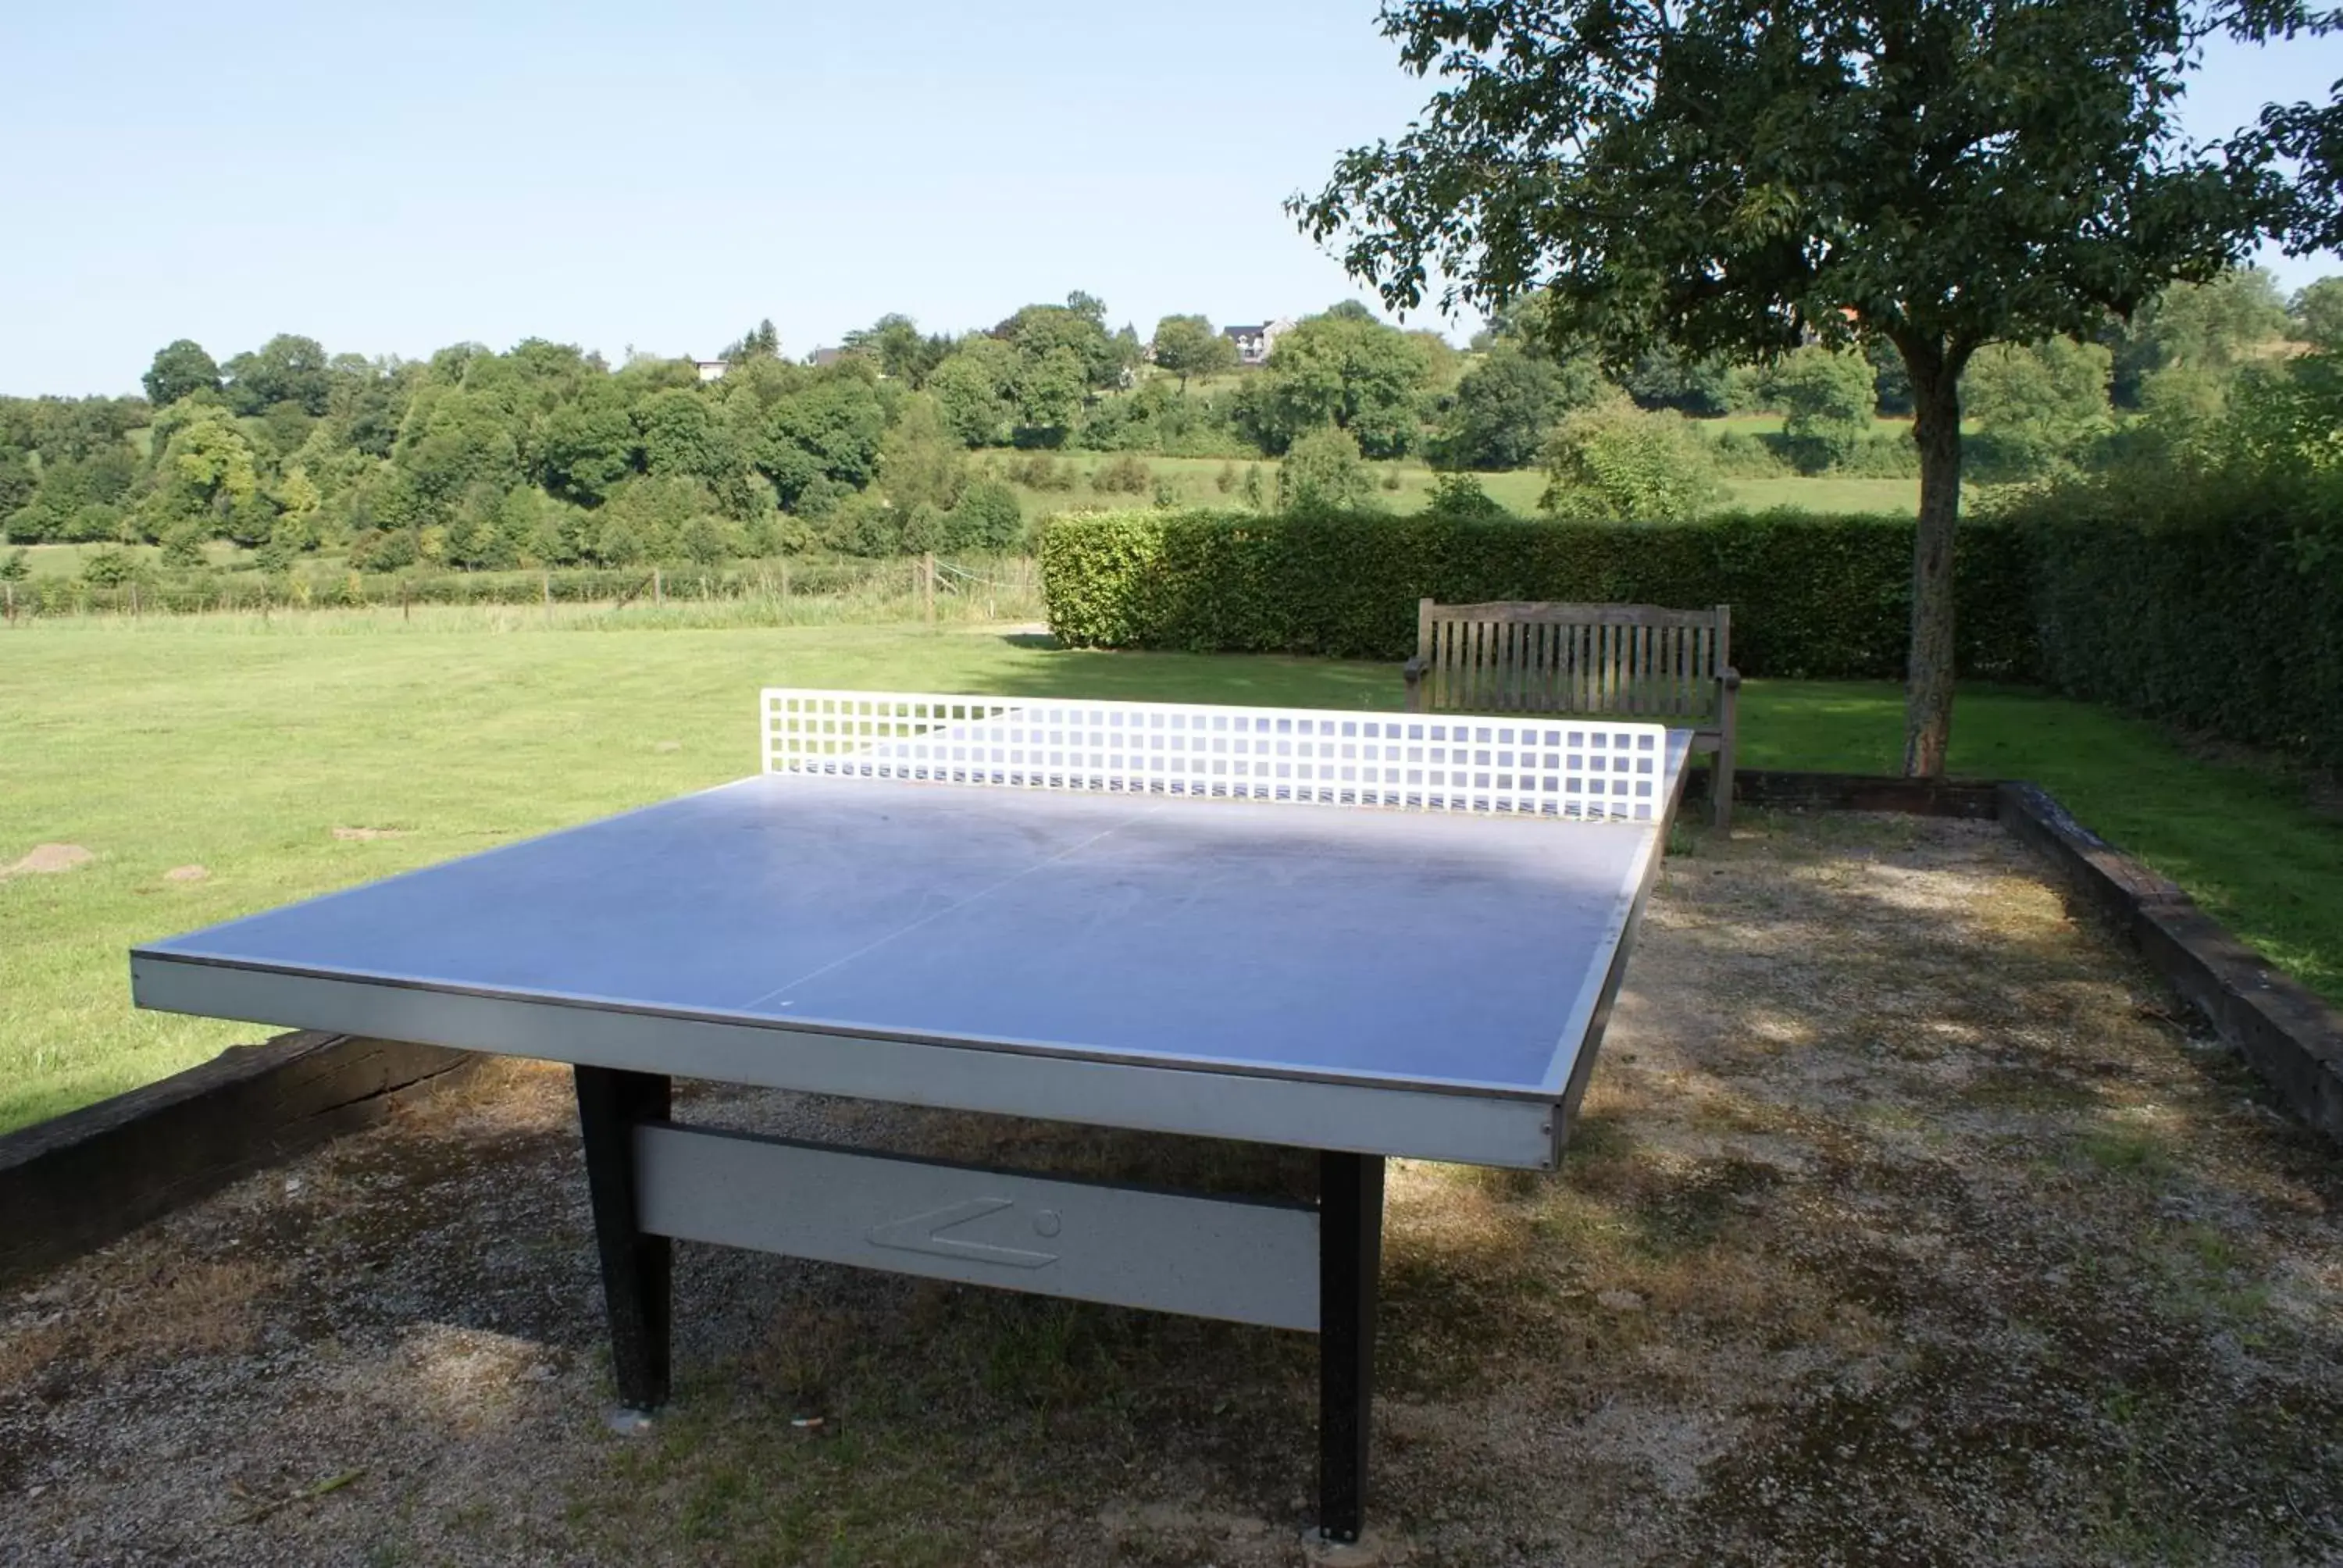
<point>546,455</point>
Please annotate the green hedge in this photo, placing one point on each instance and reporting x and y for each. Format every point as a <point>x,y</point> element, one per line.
<point>314,587</point>
<point>2219,621</point>
<point>1817,596</point>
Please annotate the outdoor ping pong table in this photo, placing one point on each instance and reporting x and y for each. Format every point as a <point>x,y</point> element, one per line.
<point>1362,934</point>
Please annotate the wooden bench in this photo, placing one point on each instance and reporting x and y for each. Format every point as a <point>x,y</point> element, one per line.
<point>1639,661</point>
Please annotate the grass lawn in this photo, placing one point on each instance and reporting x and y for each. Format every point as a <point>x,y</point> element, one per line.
<point>215,742</point>
<point>66,561</point>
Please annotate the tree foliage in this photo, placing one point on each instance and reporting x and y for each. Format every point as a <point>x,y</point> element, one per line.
<point>1736,181</point>
<point>1826,397</point>
<point>1616,463</point>
<point>1187,346</point>
<point>180,369</point>
<point>2042,405</point>
<point>2316,316</point>
<point>1506,406</point>
<point>1323,473</point>
<point>1345,368</point>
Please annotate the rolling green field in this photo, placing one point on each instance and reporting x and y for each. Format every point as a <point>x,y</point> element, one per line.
<point>330,748</point>
<point>1195,481</point>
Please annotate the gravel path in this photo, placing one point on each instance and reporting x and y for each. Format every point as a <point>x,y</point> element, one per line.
<point>1908,1222</point>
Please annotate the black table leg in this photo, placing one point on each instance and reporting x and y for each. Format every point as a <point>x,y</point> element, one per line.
<point>1349,1254</point>
<point>636,1267</point>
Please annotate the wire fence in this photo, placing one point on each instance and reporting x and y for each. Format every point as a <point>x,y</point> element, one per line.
<point>783,590</point>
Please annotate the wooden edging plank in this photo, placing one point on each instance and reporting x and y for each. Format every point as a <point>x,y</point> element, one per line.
<point>2290,1036</point>
<point>74,1183</point>
<point>1782,790</point>
<point>2293,1040</point>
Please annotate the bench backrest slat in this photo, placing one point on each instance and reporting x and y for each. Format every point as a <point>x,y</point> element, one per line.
<point>1513,657</point>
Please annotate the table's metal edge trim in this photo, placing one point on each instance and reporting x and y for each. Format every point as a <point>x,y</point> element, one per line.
<point>1426,1123</point>
<point>1007,1045</point>
<point>1565,1078</point>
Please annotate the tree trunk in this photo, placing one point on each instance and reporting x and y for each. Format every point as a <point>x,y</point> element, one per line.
<point>1928,700</point>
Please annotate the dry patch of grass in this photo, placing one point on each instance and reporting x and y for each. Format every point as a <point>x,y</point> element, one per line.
<point>1906,1221</point>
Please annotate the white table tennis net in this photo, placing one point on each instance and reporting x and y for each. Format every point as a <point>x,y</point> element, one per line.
<point>1574,770</point>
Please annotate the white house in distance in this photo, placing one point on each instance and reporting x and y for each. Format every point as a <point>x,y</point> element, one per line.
<point>1253,343</point>
<point>711,369</point>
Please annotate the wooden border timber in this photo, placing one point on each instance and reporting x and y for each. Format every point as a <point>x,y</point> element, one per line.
<point>74,1183</point>
<point>1780,789</point>
<point>2289,1036</point>
<point>2293,1040</point>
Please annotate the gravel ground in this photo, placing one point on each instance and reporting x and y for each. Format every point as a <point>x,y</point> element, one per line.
<point>1908,1222</point>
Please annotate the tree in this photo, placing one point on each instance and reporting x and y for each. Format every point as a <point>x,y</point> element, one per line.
<point>1077,327</point>
<point>285,369</point>
<point>1187,346</point>
<point>2040,404</point>
<point>1662,377</point>
<point>1825,398</point>
<point>985,517</point>
<point>2317,314</point>
<point>207,470</point>
<point>179,368</point>
<point>1614,463</point>
<point>1732,180</point>
<point>921,463</point>
<point>893,343</point>
<point>1323,472</point>
<point>762,341</point>
<point>1343,369</point>
<point>1047,390</point>
<point>2217,324</point>
<point>972,388</point>
<point>1506,406</point>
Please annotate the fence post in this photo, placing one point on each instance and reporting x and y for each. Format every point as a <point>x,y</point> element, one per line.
<point>927,585</point>
<point>134,599</point>
<point>406,599</point>
<point>10,589</point>
<point>658,588</point>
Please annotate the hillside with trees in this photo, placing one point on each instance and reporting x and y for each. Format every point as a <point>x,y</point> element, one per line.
<point>544,456</point>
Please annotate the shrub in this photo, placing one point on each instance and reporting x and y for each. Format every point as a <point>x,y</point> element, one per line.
<point>1749,456</point>
<point>1041,471</point>
<point>109,568</point>
<point>1827,397</point>
<point>183,547</point>
<point>987,518</point>
<point>1125,474</point>
<point>862,525</point>
<point>1461,496</point>
<point>1820,596</point>
<point>15,566</point>
<point>1882,457</point>
<point>1323,472</point>
<point>1615,463</point>
<point>374,551</point>
<point>1226,480</point>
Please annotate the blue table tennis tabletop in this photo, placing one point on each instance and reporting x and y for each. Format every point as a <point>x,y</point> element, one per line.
<point>1398,981</point>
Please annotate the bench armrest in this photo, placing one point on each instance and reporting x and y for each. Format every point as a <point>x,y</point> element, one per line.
<point>1413,670</point>
<point>1730,679</point>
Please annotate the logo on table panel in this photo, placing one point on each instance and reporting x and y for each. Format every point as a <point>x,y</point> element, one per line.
<point>927,1233</point>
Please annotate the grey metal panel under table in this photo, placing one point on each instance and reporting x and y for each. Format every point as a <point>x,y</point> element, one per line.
<point>1252,1260</point>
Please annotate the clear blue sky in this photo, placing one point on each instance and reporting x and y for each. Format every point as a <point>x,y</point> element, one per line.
<point>391,179</point>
